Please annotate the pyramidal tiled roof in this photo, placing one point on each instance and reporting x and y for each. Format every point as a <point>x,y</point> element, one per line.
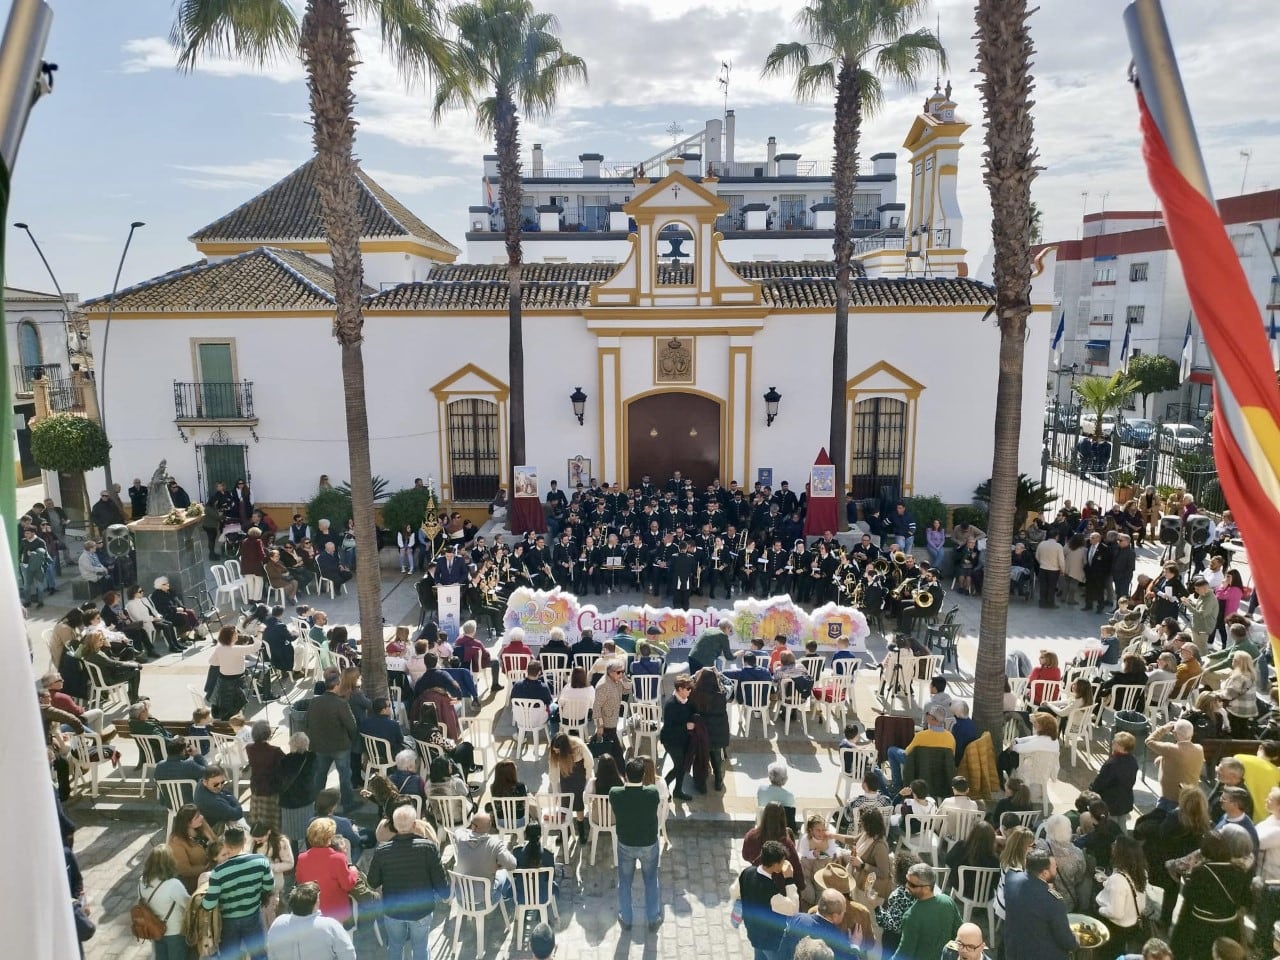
<point>266,278</point>
<point>290,210</point>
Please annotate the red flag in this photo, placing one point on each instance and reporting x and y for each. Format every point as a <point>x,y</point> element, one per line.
<point>1246,424</point>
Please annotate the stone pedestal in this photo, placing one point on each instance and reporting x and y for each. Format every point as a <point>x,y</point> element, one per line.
<point>177,551</point>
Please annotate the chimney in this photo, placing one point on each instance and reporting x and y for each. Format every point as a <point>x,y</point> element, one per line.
<point>770,161</point>
<point>712,140</point>
<point>590,165</point>
<point>491,168</point>
<point>729,124</point>
<point>787,164</point>
<point>537,161</point>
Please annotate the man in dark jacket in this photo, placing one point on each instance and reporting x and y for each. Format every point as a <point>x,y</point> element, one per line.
<point>379,723</point>
<point>1036,926</point>
<point>279,640</point>
<point>215,801</point>
<point>435,678</point>
<point>181,762</point>
<point>825,925</point>
<point>407,870</point>
<point>105,512</point>
<point>756,889</point>
<point>1097,572</point>
<point>1123,561</point>
<point>332,728</point>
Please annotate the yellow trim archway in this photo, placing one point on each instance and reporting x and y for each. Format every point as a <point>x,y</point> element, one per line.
<point>883,379</point>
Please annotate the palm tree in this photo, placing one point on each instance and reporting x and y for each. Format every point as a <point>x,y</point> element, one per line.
<point>1101,395</point>
<point>260,31</point>
<point>1004,59</point>
<point>849,45</point>
<point>506,61</point>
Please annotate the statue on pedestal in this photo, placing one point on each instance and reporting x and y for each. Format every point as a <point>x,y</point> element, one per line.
<point>159,503</point>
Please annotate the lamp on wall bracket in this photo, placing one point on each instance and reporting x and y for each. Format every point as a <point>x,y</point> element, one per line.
<point>579,401</point>
<point>254,433</point>
<point>771,401</point>
<point>183,434</point>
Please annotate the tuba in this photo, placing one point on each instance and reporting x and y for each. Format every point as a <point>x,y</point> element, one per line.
<point>906,587</point>
<point>882,566</point>
<point>923,599</point>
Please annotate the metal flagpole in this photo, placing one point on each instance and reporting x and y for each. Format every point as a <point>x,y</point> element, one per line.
<point>24,78</point>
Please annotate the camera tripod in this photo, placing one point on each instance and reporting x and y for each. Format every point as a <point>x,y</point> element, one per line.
<point>895,682</point>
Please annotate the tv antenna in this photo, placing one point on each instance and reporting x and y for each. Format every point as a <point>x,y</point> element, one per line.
<point>722,80</point>
<point>1246,156</point>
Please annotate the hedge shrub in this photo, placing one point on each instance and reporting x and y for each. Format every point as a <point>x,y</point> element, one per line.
<point>69,444</point>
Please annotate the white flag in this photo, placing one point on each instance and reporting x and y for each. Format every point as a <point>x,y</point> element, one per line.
<point>1184,369</point>
<point>39,921</point>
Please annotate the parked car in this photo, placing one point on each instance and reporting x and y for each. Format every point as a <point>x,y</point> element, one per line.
<point>1136,432</point>
<point>1060,417</point>
<point>1181,438</point>
<point>1089,423</point>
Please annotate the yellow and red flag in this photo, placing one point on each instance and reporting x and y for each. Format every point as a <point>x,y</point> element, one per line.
<point>1246,420</point>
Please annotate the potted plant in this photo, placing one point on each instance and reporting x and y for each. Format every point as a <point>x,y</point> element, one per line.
<point>1124,480</point>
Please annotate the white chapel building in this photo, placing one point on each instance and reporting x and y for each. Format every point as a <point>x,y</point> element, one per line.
<point>685,312</point>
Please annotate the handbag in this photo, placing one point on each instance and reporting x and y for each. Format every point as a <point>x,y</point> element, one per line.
<point>1146,915</point>
<point>144,922</point>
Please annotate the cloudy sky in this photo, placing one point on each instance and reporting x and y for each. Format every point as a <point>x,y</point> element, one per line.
<point>125,136</point>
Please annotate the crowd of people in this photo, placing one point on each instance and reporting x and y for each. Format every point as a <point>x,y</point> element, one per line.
<point>890,870</point>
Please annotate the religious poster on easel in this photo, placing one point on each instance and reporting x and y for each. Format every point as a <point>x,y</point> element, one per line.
<point>449,598</point>
<point>527,482</point>
<point>822,513</point>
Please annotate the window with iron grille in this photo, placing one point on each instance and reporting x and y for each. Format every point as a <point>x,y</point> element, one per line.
<point>1137,272</point>
<point>1275,290</point>
<point>474,464</point>
<point>1135,313</point>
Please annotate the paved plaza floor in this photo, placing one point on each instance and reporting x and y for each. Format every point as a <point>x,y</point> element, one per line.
<point>117,829</point>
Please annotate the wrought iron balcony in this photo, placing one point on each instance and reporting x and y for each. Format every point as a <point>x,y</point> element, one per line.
<point>23,374</point>
<point>213,401</point>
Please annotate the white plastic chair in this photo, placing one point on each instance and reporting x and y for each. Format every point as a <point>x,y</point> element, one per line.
<point>151,750</point>
<point>920,834</point>
<point>586,661</point>
<point>557,680</point>
<point>379,756</point>
<point>646,688</point>
<point>813,666</point>
<point>956,824</point>
<point>225,588</point>
<point>854,764</point>
<point>450,813</point>
<point>102,693</point>
<point>926,669</point>
<point>275,595</point>
<point>600,820</point>
<point>1158,694</point>
<point>554,661</point>
<point>1077,729</point>
<point>237,579</point>
<point>645,720</point>
<point>792,702</point>
<point>1018,687</point>
<point>474,898</point>
<point>83,747</point>
<point>984,891</point>
<point>754,702</point>
<point>229,753</point>
<point>323,583</point>
<point>510,814</point>
<point>514,666</point>
<point>1045,691</point>
<point>478,731</point>
<point>835,694</point>
<point>1038,769</point>
<point>175,793</point>
<point>1027,818</point>
<point>555,810</point>
<point>1122,697</point>
<point>530,717</point>
<point>573,717</point>
<point>198,699</point>
<point>529,886</point>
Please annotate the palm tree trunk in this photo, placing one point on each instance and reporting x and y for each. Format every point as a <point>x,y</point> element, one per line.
<point>1004,55</point>
<point>329,55</point>
<point>507,134</point>
<point>847,126</point>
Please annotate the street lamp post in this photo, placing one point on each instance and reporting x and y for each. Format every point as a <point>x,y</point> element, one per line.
<point>66,309</point>
<point>102,361</point>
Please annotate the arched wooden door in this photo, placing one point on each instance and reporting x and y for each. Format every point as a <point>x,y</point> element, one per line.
<point>673,431</point>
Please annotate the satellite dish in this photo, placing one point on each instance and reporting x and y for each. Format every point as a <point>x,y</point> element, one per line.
<point>119,540</point>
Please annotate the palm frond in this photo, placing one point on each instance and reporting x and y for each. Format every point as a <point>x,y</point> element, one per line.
<point>258,32</point>
<point>906,57</point>
<point>872,92</point>
<point>814,79</point>
<point>411,32</point>
<point>786,58</point>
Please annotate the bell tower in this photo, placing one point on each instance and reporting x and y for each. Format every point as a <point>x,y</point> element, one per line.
<point>935,227</point>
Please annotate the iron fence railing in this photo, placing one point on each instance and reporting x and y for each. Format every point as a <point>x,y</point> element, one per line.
<point>24,374</point>
<point>213,400</point>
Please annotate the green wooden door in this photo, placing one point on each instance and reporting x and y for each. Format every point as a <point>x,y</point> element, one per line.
<point>217,385</point>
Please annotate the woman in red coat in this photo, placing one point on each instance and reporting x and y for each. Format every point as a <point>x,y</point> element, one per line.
<point>253,562</point>
<point>329,868</point>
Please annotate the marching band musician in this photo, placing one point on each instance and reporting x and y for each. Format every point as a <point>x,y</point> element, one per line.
<point>636,560</point>
<point>562,557</point>
<point>719,569</point>
<point>612,561</point>
<point>660,564</point>
<point>824,581</point>
<point>684,566</point>
<point>584,568</point>
<point>797,565</point>
<point>909,610</point>
<point>775,570</point>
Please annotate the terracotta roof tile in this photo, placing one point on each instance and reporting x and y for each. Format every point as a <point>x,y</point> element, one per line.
<point>263,279</point>
<point>290,210</point>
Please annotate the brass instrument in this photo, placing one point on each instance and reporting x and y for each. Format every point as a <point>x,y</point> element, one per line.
<point>899,558</point>
<point>882,566</point>
<point>905,587</point>
<point>922,599</point>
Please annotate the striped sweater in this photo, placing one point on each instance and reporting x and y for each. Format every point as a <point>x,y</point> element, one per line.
<point>237,885</point>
